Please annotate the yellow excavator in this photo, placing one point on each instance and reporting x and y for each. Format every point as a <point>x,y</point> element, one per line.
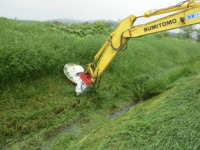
<point>185,13</point>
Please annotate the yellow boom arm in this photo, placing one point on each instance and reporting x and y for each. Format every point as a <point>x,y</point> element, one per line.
<point>185,13</point>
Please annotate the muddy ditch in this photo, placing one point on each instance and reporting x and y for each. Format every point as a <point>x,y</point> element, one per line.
<point>76,125</point>
<point>121,111</point>
<point>81,122</point>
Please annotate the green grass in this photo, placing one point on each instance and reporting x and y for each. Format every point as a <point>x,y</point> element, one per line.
<point>36,101</point>
<point>31,49</point>
<point>168,121</point>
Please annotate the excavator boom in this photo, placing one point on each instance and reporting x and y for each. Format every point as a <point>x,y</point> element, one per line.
<point>185,13</point>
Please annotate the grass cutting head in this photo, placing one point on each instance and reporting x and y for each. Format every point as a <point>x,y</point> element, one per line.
<point>75,74</point>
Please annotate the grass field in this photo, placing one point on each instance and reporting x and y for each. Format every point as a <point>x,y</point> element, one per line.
<point>167,121</point>
<point>39,109</point>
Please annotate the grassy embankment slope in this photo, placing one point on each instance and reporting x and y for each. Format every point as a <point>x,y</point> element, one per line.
<point>167,121</point>
<point>37,104</point>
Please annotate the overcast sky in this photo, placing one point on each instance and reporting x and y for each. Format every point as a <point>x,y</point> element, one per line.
<point>79,9</point>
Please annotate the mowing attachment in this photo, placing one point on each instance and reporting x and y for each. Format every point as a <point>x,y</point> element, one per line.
<point>75,73</point>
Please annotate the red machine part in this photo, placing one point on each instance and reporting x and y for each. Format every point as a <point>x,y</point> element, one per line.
<point>86,78</point>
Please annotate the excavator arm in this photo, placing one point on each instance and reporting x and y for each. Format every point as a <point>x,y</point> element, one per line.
<point>185,13</point>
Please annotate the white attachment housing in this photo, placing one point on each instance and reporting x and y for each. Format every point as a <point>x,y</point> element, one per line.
<point>72,72</point>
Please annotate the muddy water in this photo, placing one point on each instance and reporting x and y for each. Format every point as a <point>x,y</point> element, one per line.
<point>123,110</point>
